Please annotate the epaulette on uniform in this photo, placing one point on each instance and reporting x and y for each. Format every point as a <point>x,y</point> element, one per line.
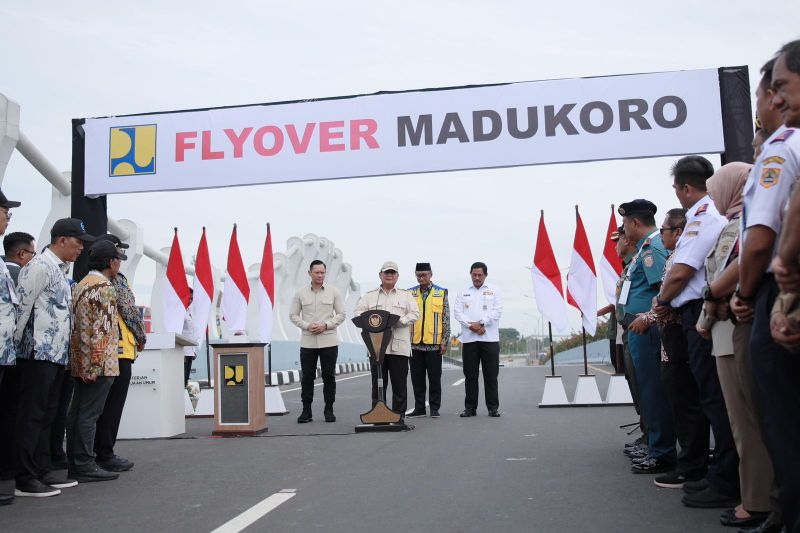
<point>782,137</point>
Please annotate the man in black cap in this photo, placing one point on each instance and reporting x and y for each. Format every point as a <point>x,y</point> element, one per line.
<point>8,356</point>
<point>132,340</point>
<point>429,338</point>
<point>42,338</point>
<point>642,280</point>
<point>94,361</point>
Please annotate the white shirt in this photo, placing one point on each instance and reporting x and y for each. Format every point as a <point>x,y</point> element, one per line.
<point>770,183</point>
<point>703,226</point>
<point>479,305</point>
<point>189,332</point>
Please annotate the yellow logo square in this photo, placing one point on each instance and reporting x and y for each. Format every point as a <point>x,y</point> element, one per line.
<point>234,375</point>
<point>132,150</point>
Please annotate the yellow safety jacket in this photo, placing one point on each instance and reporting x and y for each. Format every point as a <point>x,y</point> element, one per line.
<point>428,330</point>
<point>127,342</point>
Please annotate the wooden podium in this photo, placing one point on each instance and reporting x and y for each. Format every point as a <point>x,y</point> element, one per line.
<point>239,387</point>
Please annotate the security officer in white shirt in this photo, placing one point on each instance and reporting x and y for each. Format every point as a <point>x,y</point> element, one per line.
<point>683,290</point>
<point>768,189</point>
<point>478,309</point>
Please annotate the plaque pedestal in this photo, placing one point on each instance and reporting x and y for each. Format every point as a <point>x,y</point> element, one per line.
<point>239,387</point>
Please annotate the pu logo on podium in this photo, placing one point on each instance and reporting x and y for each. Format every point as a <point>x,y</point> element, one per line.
<point>234,375</point>
<point>132,150</point>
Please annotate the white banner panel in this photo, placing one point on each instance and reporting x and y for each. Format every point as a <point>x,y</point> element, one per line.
<point>530,123</point>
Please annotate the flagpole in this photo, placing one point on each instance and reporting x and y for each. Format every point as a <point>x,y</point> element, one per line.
<point>552,355</point>
<point>208,359</point>
<point>269,345</point>
<point>585,360</point>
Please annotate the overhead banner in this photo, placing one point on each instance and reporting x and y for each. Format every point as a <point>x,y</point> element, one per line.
<point>527,123</point>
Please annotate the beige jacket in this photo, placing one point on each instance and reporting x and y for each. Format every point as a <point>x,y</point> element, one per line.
<point>398,302</point>
<point>309,306</point>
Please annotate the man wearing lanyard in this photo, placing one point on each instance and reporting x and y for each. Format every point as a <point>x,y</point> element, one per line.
<point>429,338</point>
<point>478,309</point>
<point>641,284</point>
<point>683,290</point>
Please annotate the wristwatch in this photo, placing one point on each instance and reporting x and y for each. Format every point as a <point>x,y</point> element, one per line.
<point>708,296</point>
<point>661,302</point>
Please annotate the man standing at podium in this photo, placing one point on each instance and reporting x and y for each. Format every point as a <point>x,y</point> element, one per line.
<point>395,363</point>
<point>429,338</point>
<point>317,309</point>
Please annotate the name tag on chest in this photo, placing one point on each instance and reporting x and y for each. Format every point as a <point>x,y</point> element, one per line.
<point>623,294</point>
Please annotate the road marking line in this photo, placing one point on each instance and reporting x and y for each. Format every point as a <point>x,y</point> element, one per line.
<point>459,382</point>
<point>520,458</point>
<point>255,512</point>
<point>600,370</point>
<point>337,381</point>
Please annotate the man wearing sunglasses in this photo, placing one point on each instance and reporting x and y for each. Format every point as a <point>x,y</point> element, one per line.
<point>20,249</point>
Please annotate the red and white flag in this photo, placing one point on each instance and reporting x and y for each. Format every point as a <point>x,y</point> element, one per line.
<point>176,290</point>
<point>610,264</point>
<point>266,291</point>
<point>582,279</point>
<point>236,290</point>
<point>203,286</point>
<point>547,285</point>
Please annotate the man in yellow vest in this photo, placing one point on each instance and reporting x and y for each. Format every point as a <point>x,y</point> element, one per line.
<point>429,338</point>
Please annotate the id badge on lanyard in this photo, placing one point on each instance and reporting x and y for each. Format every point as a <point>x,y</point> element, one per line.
<point>623,294</point>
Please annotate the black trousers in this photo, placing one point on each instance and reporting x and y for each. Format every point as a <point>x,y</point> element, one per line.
<point>777,374</point>
<point>395,367</point>
<point>108,424</point>
<point>39,391</point>
<point>187,369</point>
<point>477,355</point>
<point>426,362</point>
<point>88,401</point>
<point>630,375</point>
<point>59,427</point>
<point>308,373</point>
<point>691,425</point>
<point>723,472</point>
<point>9,391</point>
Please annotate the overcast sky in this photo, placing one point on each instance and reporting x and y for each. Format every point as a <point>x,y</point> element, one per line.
<point>66,60</point>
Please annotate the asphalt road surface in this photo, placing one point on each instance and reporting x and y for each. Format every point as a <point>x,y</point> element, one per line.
<point>558,469</point>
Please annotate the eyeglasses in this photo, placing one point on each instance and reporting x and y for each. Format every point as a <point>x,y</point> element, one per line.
<point>389,272</point>
<point>32,252</point>
<point>670,228</point>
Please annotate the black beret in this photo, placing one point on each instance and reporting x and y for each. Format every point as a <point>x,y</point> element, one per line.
<point>638,206</point>
<point>423,267</point>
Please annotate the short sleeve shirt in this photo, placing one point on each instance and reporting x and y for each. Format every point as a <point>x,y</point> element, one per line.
<point>703,226</point>
<point>645,273</point>
<point>770,183</point>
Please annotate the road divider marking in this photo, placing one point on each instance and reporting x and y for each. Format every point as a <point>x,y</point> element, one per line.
<point>602,370</point>
<point>459,382</point>
<point>255,512</point>
<point>520,458</point>
<point>338,380</point>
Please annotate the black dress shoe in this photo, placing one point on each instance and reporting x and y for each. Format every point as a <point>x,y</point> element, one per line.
<point>305,417</point>
<point>690,487</point>
<point>494,413</point>
<point>467,412</point>
<point>709,498</point>
<point>6,500</point>
<point>729,518</point>
<point>329,416</point>
<point>773,524</point>
<point>115,464</point>
<point>91,474</point>
<point>417,413</point>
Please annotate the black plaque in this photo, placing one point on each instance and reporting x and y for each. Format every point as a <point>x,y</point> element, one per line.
<point>234,403</point>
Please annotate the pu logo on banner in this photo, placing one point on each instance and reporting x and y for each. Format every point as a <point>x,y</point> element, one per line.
<point>132,150</point>
<point>234,375</point>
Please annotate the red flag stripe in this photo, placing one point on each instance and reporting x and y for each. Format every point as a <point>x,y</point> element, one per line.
<point>609,250</point>
<point>267,273</point>
<point>545,259</point>
<point>236,267</point>
<point>581,246</point>
<point>176,273</point>
<point>202,266</point>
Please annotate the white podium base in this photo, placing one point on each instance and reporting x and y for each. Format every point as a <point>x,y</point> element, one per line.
<point>274,401</point>
<point>587,393</point>
<point>205,403</point>
<point>618,391</point>
<point>554,394</point>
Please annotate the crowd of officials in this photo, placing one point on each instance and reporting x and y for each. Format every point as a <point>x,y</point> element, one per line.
<point>66,351</point>
<point>708,307</point>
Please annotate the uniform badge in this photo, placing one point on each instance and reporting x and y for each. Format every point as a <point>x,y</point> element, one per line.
<point>691,233</point>
<point>695,223</point>
<point>702,209</point>
<point>778,160</point>
<point>782,137</point>
<point>648,261</point>
<point>770,177</point>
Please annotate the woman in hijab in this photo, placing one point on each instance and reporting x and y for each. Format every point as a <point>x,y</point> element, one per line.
<point>732,353</point>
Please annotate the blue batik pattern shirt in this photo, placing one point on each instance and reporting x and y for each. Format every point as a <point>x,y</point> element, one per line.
<point>8,317</point>
<point>45,306</point>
